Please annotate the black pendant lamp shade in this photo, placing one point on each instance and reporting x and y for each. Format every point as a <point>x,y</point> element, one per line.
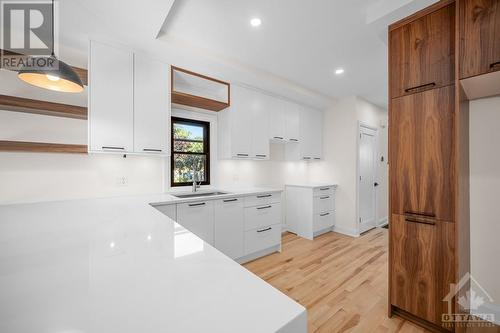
<point>62,78</point>
<point>54,75</point>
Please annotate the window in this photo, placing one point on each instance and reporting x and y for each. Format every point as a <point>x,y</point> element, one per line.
<point>190,152</point>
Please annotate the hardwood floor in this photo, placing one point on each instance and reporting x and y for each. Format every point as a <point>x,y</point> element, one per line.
<point>342,281</point>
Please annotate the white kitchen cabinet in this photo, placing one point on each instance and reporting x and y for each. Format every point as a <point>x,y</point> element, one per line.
<point>169,210</point>
<point>151,106</point>
<point>244,127</point>
<point>229,222</point>
<point>277,120</point>
<point>316,134</point>
<point>292,122</point>
<point>310,147</point>
<point>111,84</point>
<point>198,217</point>
<point>310,209</point>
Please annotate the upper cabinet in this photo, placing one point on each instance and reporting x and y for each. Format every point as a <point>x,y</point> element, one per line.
<point>310,147</point>
<point>422,53</point>
<point>284,124</point>
<point>479,37</point>
<point>129,102</point>
<point>111,99</point>
<point>151,106</point>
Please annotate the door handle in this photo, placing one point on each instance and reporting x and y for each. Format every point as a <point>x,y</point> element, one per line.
<point>427,85</point>
<point>375,184</point>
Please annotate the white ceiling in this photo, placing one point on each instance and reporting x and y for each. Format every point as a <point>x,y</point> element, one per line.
<point>299,40</point>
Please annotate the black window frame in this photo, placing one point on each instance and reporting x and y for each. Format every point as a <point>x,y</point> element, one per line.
<point>206,148</point>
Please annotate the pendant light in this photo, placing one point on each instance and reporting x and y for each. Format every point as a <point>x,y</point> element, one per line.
<point>62,78</point>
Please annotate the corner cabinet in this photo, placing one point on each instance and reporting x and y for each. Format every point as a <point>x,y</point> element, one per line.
<point>129,102</point>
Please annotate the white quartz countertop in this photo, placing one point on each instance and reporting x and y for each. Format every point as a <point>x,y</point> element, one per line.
<point>118,265</point>
<point>312,185</point>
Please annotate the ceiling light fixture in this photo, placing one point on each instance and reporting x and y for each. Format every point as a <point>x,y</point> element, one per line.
<point>339,71</point>
<point>255,22</point>
<point>54,75</point>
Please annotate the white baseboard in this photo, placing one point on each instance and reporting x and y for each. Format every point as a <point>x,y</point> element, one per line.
<point>346,231</point>
<point>383,221</point>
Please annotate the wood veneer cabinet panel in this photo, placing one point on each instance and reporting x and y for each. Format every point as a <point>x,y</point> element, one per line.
<point>421,154</point>
<point>422,53</point>
<point>479,37</point>
<point>422,257</point>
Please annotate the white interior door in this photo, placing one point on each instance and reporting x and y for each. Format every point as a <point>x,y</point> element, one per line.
<point>367,178</point>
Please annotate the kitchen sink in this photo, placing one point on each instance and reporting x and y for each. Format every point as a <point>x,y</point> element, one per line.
<point>198,194</point>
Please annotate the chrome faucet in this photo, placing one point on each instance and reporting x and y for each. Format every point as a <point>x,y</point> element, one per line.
<point>196,185</point>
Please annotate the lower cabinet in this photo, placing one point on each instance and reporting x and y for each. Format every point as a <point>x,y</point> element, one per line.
<point>229,222</point>
<point>198,217</point>
<point>310,210</point>
<point>243,227</point>
<point>422,266</point>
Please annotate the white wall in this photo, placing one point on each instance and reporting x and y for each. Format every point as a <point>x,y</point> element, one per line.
<point>340,152</point>
<point>485,195</point>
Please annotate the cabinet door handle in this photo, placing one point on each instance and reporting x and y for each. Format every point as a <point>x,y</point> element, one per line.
<point>421,221</point>
<point>265,207</point>
<point>322,198</point>
<point>242,155</point>
<point>427,215</point>
<point>325,214</point>
<point>495,64</point>
<point>324,189</point>
<point>152,150</point>
<point>263,230</point>
<point>230,200</point>
<point>306,158</point>
<point>198,204</point>
<point>113,148</point>
<point>295,140</point>
<point>264,196</point>
<point>261,156</point>
<point>317,158</point>
<point>427,85</point>
<point>278,137</point>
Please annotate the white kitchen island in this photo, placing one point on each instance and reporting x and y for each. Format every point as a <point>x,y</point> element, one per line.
<point>118,265</point>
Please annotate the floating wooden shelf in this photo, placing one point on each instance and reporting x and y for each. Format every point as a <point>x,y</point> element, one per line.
<point>18,104</point>
<point>199,91</point>
<point>39,147</point>
<point>82,72</point>
<point>197,101</point>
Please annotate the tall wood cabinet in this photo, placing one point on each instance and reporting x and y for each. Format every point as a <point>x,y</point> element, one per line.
<point>428,161</point>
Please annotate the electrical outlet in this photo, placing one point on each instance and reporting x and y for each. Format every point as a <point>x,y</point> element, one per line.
<point>122,181</point>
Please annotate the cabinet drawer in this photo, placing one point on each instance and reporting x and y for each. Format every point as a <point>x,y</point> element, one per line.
<point>323,221</point>
<point>262,199</point>
<point>323,203</point>
<point>326,190</point>
<point>262,238</point>
<point>260,216</point>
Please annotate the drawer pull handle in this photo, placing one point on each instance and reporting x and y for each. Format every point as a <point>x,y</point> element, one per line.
<point>495,64</point>
<point>324,189</point>
<point>264,230</point>
<point>265,207</point>
<point>197,204</point>
<point>153,150</point>
<point>114,148</point>
<point>278,137</point>
<point>427,85</point>
<point>242,155</point>
<point>264,196</point>
<point>263,156</point>
<point>322,198</point>
<point>294,140</point>
<point>428,215</point>
<point>230,200</point>
<point>317,158</point>
<point>421,221</point>
<point>325,214</point>
<point>306,158</point>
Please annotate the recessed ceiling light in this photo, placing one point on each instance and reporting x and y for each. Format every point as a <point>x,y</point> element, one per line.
<point>255,22</point>
<point>339,71</point>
